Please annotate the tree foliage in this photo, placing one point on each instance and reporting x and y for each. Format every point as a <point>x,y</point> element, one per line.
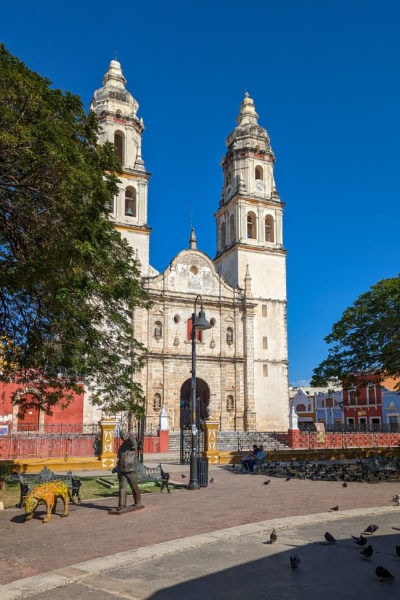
<point>367,337</point>
<point>68,282</point>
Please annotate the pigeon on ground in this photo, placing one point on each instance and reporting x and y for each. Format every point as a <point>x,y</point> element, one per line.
<point>273,538</point>
<point>329,538</point>
<point>212,480</point>
<point>294,561</point>
<point>361,541</point>
<point>335,507</point>
<point>371,529</point>
<point>367,552</point>
<point>398,550</point>
<point>383,574</point>
<point>344,484</point>
<point>267,482</point>
<point>183,476</point>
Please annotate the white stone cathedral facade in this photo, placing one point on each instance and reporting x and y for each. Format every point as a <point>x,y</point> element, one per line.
<point>242,361</point>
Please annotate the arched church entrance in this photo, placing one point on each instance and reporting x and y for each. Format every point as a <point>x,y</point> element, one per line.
<point>203,401</point>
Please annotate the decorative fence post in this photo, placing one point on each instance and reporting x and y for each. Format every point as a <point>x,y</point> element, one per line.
<point>107,456</point>
<point>163,431</point>
<point>293,431</point>
<point>210,442</point>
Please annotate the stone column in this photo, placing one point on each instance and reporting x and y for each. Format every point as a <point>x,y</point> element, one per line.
<point>210,442</point>
<point>108,456</point>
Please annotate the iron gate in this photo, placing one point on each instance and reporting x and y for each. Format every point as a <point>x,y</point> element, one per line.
<point>186,435</point>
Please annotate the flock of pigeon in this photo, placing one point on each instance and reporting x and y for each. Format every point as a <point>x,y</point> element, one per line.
<point>367,550</point>
<point>315,471</point>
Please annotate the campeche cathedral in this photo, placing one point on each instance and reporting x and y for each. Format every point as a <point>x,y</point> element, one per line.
<point>242,361</point>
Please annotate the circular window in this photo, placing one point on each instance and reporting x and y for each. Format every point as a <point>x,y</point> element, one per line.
<point>194,269</point>
<point>177,319</point>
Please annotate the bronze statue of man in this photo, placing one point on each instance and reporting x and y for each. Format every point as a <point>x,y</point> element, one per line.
<point>127,470</point>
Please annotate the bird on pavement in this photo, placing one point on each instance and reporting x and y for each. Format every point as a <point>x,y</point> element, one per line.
<point>367,552</point>
<point>344,484</point>
<point>183,476</point>
<point>273,538</point>
<point>360,541</point>
<point>335,507</point>
<point>267,482</point>
<point>398,551</point>
<point>371,529</point>
<point>212,480</point>
<point>329,538</point>
<point>383,574</point>
<point>294,561</point>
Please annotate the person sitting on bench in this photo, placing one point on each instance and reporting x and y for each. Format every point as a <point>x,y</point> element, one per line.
<point>258,459</point>
<point>247,460</point>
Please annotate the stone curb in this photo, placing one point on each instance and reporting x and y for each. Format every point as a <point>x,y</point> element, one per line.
<point>23,588</point>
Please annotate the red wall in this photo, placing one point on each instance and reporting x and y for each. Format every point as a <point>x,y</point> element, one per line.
<point>72,415</point>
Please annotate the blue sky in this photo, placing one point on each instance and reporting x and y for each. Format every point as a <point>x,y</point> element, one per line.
<point>324,76</point>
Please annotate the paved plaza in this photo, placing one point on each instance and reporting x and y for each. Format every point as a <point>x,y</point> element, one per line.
<point>212,542</point>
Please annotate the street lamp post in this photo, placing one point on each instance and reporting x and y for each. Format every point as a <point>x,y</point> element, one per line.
<point>200,324</point>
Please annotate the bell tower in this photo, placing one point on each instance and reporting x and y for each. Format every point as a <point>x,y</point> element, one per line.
<point>250,243</point>
<point>116,110</point>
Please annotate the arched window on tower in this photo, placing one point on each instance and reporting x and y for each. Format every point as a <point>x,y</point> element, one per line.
<point>231,229</point>
<point>269,228</point>
<point>110,205</point>
<point>251,225</point>
<point>130,202</point>
<point>119,146</point>
<point>223,235</point>
<point>258,172</point>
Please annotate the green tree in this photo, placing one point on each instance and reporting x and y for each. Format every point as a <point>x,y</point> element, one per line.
<point>68,282</point>
<point>367,337</point>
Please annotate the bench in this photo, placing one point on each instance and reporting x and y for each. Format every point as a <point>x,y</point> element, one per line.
<point>27,481</point>
<point>258,463</point>
<point>153,475</point>
<point>381,467</point>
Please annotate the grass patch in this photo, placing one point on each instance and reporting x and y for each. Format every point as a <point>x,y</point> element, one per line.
<point>90,489</point>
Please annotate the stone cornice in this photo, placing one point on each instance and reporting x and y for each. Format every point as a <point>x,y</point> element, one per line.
<point>248,248</point>
<point>199,358</point>
<point>133,175</point>
<point>169,297</point>
<point>253,200</point>
<point>143,229</point>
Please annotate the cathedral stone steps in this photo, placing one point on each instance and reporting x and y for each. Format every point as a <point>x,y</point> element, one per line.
<point>235,441</point>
